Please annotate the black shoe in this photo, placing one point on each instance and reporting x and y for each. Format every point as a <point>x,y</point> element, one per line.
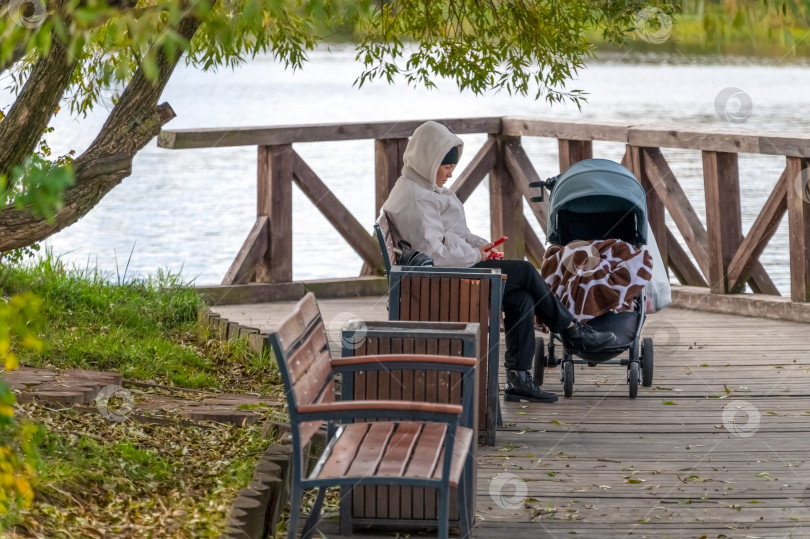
<point>586,339</point>
<point>521,386</point>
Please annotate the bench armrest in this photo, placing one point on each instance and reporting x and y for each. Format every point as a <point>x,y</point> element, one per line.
<point>403,362</point>
<point>383,409</point>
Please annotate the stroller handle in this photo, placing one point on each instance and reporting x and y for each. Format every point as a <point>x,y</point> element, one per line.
<point>548,184</point>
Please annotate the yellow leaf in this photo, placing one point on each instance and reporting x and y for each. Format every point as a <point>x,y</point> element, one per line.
<point>32,343</point>
<point>11,362</point>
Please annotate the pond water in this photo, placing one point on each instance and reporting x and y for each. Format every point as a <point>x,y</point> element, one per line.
<point>188,211</point>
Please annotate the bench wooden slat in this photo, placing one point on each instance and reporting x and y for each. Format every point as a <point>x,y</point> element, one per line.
<point>427,451</point>
<point>308,430</point>
<point>309,386</point>
<point>464,437</point>
<point>344,451</point>
<point>307,353</point>
<point>399,450</point>
<point>370,451</point>
<point>292,328</point>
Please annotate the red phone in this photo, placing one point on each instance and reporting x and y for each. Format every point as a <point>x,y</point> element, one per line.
<point>499,241</point>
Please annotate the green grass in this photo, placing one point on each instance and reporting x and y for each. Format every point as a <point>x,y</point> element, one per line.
<point>146,329</point>
<point>106,479</point>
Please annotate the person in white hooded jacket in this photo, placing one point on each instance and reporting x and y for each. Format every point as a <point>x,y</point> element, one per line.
<point>431,218</point>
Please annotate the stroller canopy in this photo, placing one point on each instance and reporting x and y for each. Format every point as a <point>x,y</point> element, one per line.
<point>608,192</point>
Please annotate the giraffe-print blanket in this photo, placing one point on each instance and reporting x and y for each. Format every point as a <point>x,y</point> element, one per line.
<point>594,277</point>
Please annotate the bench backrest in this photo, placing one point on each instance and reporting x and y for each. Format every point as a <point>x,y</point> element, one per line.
<point>302,353</point>
<point>387,237</point>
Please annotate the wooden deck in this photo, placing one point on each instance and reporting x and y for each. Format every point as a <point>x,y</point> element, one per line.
<point>718,447</point>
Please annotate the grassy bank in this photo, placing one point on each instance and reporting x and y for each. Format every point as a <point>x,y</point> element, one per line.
<point>146,329</point>
<point>104,479</point>
<point>100,478</point>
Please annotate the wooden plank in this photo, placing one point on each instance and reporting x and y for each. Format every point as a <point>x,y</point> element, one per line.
<point>344,452</point>
<point>534,247</point>
<point>569,129</point>
<point>370,451</point>
<point>680,264</point>
<point>251,254</point>
<point>573,151</point>
<point>506,208</point>
<point>477,170</point>
<point>656,212</point>
<point>274,200</point>
<point>761,232</point>
<point>680,209</point>
<point>464,438</point>
<point>723,215</point>
<point>287,134</point>
<point>455,294</point>
<point>705,138</point>
<point>399,450</point>
<point>798,207</point>
<point>336,213</point>
<point>424,299</point>
<point>434,304</point>
<point>293,328</point>
<point>427,451</point>
<point>523,173</point>
<point>311,350</point>
<point>387,168</point>
<point>444,305</point>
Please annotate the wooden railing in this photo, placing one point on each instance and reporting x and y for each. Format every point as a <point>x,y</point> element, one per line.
<point>726,260</point>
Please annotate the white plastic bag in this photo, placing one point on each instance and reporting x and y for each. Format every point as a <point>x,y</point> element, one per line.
<point>659,294</point>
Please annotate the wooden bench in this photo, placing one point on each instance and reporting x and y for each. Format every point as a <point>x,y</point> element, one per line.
<point>371,442</point>
<point>428,293</point>
<point>392,506</point>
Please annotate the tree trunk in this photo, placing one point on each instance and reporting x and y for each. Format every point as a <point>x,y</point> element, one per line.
<point>133,122</point>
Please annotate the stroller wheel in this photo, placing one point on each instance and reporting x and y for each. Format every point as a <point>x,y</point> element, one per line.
<point>568,377</point>
<point>539,360</point>
<point>647,359</point>
<point>632,378</point>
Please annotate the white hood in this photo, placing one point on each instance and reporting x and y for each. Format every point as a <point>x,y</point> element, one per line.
<point>429,217</point>
<point>425,151</point>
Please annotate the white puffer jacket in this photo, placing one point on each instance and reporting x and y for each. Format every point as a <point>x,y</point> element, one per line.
<point>431,218</point>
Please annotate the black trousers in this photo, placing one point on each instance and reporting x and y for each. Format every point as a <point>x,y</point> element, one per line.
<point>526,295</point>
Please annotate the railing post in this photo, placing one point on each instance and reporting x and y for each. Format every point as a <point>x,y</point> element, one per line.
<point>573,151</point>
<point>634,161</point>
<point>387,167</point>
<point>798,205</point>
<point>723,216</point>
<point>274,199</point>
<point>506,204</point>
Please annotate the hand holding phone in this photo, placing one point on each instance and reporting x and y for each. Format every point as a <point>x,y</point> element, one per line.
<point>499,241</point>
<point>495,254</point>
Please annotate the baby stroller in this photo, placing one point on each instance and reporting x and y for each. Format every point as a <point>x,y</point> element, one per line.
<point>597,199</point>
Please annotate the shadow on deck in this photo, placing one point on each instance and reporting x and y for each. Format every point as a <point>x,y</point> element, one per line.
<point>717,447</point>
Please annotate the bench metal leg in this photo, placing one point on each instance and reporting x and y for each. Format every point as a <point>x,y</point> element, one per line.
<point>315,515</point>
<point>444,512</point>
<point>295,510</point>
<point>464,522</point>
